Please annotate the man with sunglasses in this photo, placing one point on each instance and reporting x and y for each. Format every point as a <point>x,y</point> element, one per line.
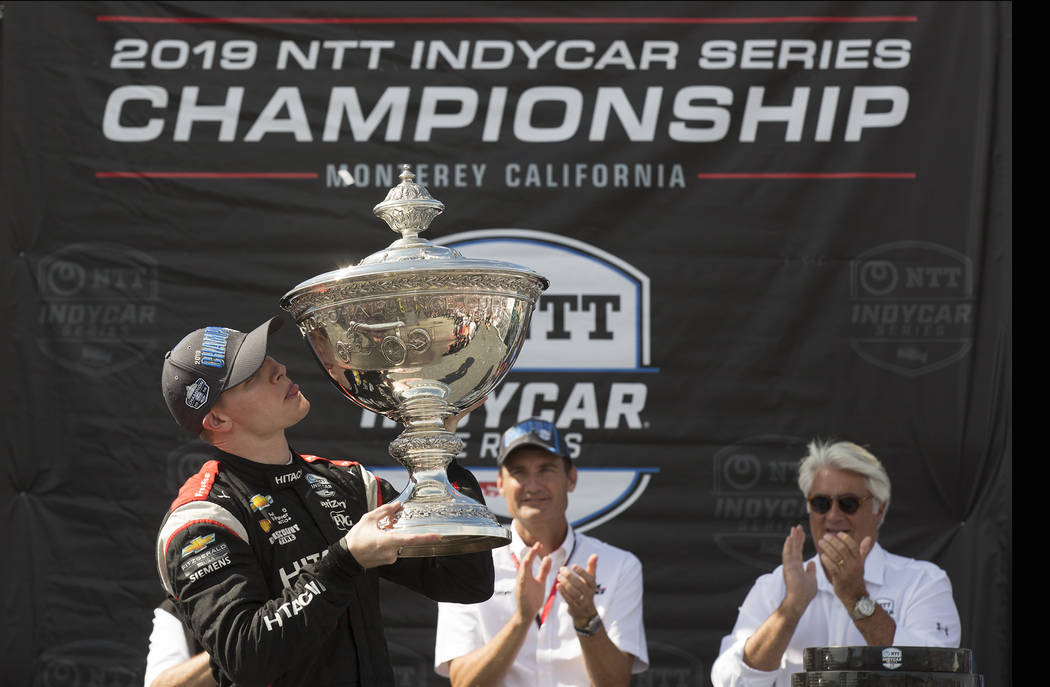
<point>567,608</point>
<point>852,593</point>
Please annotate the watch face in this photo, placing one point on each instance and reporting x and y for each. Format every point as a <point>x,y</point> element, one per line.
<point>592,626</point>
<point>866,606</point>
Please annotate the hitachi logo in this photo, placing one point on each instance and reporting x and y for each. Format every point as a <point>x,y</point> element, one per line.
<point>288,477</point>
<point>293,607</point>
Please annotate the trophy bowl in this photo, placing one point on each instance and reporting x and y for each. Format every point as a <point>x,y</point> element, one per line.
<point>418,332</point>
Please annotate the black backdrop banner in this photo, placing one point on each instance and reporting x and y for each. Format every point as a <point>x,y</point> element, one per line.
<point>763,223</point>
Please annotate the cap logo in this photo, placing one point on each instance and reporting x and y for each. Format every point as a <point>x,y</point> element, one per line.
<point>197,394</point>
<point>535,431</point>
<point>213,347</point>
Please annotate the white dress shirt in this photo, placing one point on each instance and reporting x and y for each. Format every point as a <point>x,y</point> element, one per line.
<point>551,654</point>
<point>916,594</point>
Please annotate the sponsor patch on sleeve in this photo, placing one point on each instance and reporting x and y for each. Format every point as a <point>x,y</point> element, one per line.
<point>197,544</point>
<point>201,560</point>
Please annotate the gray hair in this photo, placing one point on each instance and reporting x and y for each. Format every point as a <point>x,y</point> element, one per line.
<point>845,455</point>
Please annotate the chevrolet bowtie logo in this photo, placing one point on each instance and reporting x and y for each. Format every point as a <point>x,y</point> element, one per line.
<point>197,545</point>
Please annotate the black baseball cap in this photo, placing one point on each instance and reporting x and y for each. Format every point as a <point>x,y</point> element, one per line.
<point>532,432</point>
<point>206,363</point>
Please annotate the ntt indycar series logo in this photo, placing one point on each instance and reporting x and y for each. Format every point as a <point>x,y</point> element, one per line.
<point>911,306</point>
<point>756,497</point>
<point>98,307</point>
<point>584,364</point>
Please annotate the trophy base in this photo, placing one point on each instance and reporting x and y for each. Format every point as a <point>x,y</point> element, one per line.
<point>455,544</point>
<point>431,505</point>
<point>464,527</point>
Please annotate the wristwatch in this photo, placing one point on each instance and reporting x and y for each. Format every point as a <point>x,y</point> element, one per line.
<point>592,626</point>
<point>863,608</point>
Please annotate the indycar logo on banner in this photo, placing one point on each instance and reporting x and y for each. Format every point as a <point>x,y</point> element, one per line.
<point>912,306</point>
<point>98,307</point>
<point>756,497</point>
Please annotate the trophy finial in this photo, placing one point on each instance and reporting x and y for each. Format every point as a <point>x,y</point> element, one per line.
<point>409,208</point>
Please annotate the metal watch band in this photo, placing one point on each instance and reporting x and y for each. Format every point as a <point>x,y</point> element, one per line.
<point>864,608</point>
<point>591,628</point>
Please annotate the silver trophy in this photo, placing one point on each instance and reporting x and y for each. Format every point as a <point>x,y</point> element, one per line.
<point>418,332</point>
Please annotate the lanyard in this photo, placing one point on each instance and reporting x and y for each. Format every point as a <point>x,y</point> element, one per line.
<point>542,617</point>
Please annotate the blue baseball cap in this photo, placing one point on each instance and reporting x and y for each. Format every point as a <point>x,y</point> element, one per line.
<point>532,432</point>
<point>207,362</point>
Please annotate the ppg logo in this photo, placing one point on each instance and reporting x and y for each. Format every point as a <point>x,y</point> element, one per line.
<point>594,316</point>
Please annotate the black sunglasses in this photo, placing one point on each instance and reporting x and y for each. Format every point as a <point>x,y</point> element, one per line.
<point>847,504</point>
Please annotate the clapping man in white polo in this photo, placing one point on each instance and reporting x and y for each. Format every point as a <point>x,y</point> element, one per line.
<point>567,608</point>
<point>852,593</point>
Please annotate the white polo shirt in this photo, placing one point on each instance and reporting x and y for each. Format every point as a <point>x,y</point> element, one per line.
<point>916,594</point>
<point>551,654</point>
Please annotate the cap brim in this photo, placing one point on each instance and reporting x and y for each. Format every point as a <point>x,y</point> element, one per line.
<point>252,353</point>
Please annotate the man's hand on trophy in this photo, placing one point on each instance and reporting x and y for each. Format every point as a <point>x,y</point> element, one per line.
<point>372,541</point>
<point>452,421</point>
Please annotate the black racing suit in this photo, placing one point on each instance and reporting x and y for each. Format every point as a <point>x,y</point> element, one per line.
<point>254,558</point>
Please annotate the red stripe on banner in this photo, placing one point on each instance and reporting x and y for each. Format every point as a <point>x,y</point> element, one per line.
<point>503,20</point>
<point>810,175</point>
<point>206,175</point>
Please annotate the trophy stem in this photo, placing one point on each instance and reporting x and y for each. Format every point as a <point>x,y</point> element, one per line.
<point>431,503</point>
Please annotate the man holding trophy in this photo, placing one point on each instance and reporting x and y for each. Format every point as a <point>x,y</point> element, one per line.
<point>274,557</point>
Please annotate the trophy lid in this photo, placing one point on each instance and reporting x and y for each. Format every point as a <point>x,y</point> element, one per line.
<point>408,210</point>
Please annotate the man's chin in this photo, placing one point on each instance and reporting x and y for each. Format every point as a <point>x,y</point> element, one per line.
<point>527,510</point>
<point>304,410</point>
